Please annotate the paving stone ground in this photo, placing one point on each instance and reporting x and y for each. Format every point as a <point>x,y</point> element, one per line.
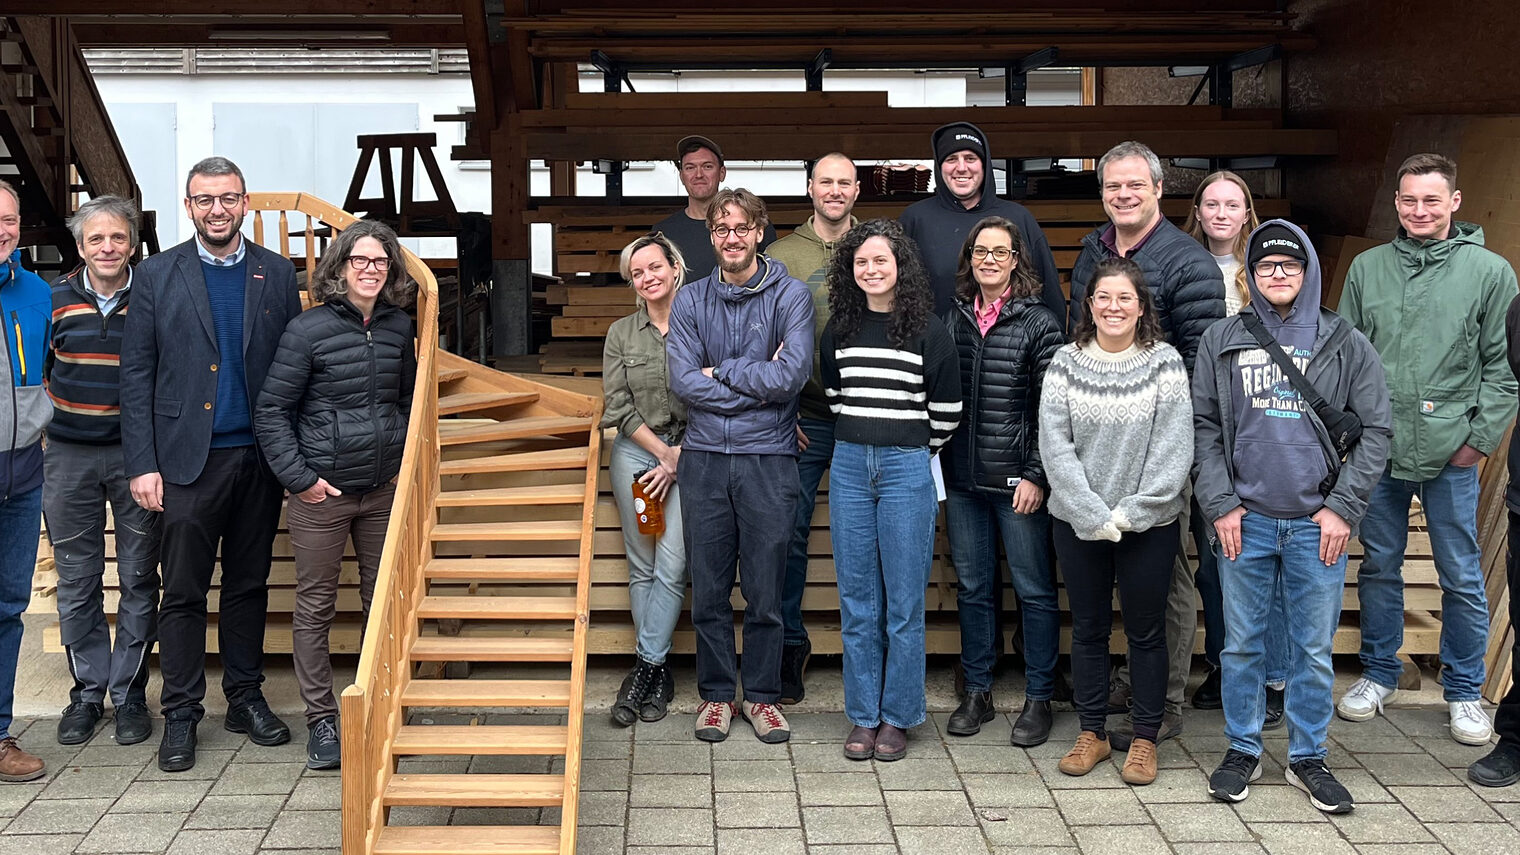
<point>653,789</point>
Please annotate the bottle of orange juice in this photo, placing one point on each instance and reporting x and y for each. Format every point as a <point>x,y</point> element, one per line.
<point>651,511</point>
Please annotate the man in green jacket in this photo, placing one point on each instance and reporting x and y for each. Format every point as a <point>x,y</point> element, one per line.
<point>833,186</point>
<point>1433,303</point>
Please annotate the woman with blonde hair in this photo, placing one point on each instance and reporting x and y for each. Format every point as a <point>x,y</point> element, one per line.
<point>1222,217</point>
<point>651,423</point>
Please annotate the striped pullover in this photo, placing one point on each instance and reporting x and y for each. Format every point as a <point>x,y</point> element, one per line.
<point>84,365</point>
<point>884,395</point>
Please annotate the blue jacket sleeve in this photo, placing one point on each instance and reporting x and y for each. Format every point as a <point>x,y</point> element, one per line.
<point>780,379</point>
<point>686,353</point>
<point>139,371</point>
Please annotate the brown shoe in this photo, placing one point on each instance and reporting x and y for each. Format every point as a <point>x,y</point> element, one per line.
<point>17,765</point>
<point>1083,756</point>
<point>861,743</point>
<point>1140,765</point>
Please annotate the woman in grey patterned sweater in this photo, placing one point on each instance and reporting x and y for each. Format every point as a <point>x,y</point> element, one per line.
<point>1116,434</point>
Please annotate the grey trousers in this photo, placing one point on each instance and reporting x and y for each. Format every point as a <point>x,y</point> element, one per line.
<point>318,535</point>
<point>79,481</point>
<point>1181,619</point>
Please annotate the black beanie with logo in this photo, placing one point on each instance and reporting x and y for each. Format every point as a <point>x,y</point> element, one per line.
<point>1275,239</point>
<point>959,136</point>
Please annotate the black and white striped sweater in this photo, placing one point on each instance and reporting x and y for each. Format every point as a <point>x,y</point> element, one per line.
<point>884,395</point>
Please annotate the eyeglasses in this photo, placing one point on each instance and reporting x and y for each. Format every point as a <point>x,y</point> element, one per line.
<point>1123,301</point>
<point>228,200</point>
<point>999,254</point>
<point>722,232</point>
<point>1269,268</point>
<point>359,262</point>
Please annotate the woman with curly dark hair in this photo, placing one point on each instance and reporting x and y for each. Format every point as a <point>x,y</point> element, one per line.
<point>891,376</point>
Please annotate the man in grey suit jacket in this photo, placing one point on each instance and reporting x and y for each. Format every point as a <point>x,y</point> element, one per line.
<point>206,319</point>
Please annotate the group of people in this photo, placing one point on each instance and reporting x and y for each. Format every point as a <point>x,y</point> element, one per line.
<point>191,394</point>
<point>1191,384</point>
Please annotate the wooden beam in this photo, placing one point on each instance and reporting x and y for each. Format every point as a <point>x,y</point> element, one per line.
<point>482,72</point>
<point>436,32</point>
<point>231,8</point>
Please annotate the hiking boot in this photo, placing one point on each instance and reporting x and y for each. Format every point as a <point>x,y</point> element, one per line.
<point>256,719</point>
<point>713,718</point>
<point>1033,725</point>
<point>891,743</point>
<point>1275,716</point>
<point>974,711</point>
<point>1083,756</point>
<point>861,743</point>
<point>1469,723</point>
<point>1171,725</point>
<point>1362,701</point>
<point>1209,695</point>
<point>1231,781</point>
<point>654,706</point>
<point>1499,768</point>
<point>1324,791</point>
<point>78,722</point>
<point>322,746</point>
<point>16,765</point>
<point>1140,764</point>
<point>133,723</point>
<point>636,689</point>
<point>769,724</point>
<point>794,662</point>
<point>1118,697</point>
<point>176,751</point>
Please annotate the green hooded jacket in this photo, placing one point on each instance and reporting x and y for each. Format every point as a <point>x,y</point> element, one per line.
<point>1435,312</point>
<point>806,257</point>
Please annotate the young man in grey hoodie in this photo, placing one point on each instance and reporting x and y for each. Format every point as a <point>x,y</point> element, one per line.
<point>1281,499</point>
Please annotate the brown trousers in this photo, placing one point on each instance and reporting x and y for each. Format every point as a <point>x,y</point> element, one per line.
<point>319,534</point>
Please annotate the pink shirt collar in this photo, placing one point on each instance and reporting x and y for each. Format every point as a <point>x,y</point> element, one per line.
<point>986,316</point>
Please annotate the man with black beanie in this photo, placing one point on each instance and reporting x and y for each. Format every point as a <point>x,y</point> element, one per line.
<point>963,196</point>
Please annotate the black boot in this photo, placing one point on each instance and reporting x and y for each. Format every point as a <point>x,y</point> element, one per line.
<point>1033,726</point>
<point>176,752</point>
<point>636,689</point>
<point>1209,695</point>
<point>794,661</point>
<point>974,711</point>
<point>1274,718</point>
<point>654,706</point>
<point>78,722</point>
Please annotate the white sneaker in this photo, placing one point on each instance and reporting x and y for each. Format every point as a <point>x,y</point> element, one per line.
<point>1363,700</point>
<point>1469,723</point>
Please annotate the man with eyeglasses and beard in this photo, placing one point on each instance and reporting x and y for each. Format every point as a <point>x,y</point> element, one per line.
<point>206,319</point>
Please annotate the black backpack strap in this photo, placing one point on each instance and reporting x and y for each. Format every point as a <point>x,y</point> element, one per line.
<point>1274,350</point>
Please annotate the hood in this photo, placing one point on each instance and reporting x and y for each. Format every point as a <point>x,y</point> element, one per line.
<point>1305,311</point>
<point>771,271</point>
<point>1437,250</point>
<point>941,191</point>
<point>807,233</point>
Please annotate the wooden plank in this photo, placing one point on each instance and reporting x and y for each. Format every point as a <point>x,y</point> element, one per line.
<point>467,402</point>
<point>478,789</point>
<point>468,840</point>
<point>486,693</point>
<point>562,458</point>
<point>497,608</point>
<point>458,433</point>
<point>503,569</point>
<point>580,326</point>
<point>509,531</point>
<point>460,649</point>
<point>440,739</point>
<point>780,108</point>
<point>721,100</point>
<point>550,494</point>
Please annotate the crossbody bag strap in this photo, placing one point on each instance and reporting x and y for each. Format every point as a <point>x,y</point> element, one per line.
<point>1274,351</point>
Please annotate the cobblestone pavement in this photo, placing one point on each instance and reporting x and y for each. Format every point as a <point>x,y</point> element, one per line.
<point>653,789</point>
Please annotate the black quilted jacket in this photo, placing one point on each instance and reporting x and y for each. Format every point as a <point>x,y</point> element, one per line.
<point>337,399</point>
<point>1001,376</point>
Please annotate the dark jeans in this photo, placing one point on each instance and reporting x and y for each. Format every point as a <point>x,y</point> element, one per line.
<point>1141,563</point>
<point>811,465</point>
<point>20,526</point>
<point>235,503</point>
<point>733,506</point>
<point>1206,577</point>
<point>1507,718</point>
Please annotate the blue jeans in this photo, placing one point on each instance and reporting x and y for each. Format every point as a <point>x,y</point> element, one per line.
<point>811,465</point>
<point>1284,553</point>
<point>974,519</point>
<point>20,526</point>
<point>656,564</point>
<point>882,510</point>
<point>1450,501</point>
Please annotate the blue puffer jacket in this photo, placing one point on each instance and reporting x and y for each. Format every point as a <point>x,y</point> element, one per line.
<point>749,405</point>
<point>26,306</point>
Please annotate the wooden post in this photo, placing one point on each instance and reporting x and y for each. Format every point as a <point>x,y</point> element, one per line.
<point>511,245</point>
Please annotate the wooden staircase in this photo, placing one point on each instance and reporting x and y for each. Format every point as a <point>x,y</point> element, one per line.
<point>486,568</point>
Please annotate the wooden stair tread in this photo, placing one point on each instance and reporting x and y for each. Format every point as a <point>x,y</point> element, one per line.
<point>522,461</point>
<point>468,840</point>
<point>543,494</point>
<point>463,739</point>
<point>447,648</point>
<point>497,608</point>
<point>446,375</point>
<point>505,569</point>
<point>464,402</point>
<point>523,530</point>
<point>486,693</point>
<point>450,434</point>
<point>476,790</point>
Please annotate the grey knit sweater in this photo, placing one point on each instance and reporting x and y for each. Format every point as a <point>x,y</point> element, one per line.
<point>1116,434</point>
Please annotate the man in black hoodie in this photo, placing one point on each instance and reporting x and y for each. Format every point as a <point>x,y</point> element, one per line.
<point>962,197</point>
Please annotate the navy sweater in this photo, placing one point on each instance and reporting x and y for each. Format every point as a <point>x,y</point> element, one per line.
<point>232,426</point>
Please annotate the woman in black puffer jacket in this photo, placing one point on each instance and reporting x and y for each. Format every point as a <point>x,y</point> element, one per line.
<point>331,421</point>
<point>994,481</point>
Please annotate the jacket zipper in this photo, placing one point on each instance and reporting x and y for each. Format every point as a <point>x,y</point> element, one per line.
<point>374,394</point>
<point>10,469</point>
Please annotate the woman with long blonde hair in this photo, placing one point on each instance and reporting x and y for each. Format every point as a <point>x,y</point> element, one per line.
<point>1222,217</point>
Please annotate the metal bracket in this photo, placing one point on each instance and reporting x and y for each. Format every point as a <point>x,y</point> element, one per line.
<point>1255,56</point>
<point>496,28</point>
<point>1016,77</point>
<point>815,69</point>
<point>614,75</point>
<point>1043,58</point>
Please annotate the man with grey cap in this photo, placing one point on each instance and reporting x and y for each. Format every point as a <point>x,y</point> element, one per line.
<point>700,162</point>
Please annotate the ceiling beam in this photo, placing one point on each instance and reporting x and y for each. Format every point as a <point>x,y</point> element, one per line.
<point>355,33</point>
<point>232,7</point>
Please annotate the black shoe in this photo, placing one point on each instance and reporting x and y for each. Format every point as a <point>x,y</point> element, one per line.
<point>256,719</point>
<point>1324,791</point>
<point>322,746</point>
<point>176,753</point>
<point>636,689</point>
<point>1499,768</point>
<point>78,722</point>
<point>1120,737</point>
<point>974,711</point>
<point>1033,725</point>
<point>794,662</point>
<point>1208,696</point>
<point>655,706</point>
<point>1230,782</point>
<point>133,723</point>
<point>1274,718</point>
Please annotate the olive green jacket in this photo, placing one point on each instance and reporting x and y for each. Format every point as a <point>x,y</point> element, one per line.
<point>636,380</point>
<point>806,257</point>
<point>1435,312</point>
